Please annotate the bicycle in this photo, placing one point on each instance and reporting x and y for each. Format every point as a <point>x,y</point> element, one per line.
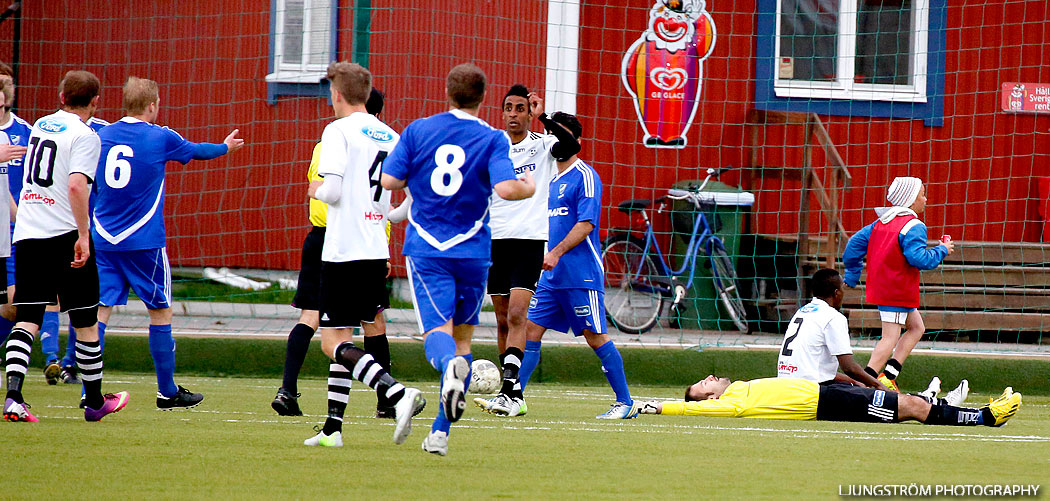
<point>636,286</point>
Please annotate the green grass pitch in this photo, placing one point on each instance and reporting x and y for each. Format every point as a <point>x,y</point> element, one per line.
<point>234,446</point>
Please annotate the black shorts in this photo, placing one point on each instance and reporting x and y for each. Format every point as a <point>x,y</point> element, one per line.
<point>308,291</point>
<point>516,264</point>
<point>843,402</point>
<point>352,292</point>
<point>44,276</point>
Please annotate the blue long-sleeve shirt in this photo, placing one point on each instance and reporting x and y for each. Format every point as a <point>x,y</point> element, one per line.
<point>208,151</point>
<point>913,246</point>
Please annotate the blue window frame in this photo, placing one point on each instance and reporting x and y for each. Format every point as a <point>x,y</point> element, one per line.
<point>303,41</point>
<point>820,65</point>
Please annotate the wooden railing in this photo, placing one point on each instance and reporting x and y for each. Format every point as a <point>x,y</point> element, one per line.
<point>814,135</point>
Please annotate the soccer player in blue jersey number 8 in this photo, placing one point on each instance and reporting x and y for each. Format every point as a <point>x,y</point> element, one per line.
<point>128,230</point>
<point>571,292</point>
<point>451,163</point>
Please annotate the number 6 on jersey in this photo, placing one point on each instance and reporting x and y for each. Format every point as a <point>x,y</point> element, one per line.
<point>118,170</point>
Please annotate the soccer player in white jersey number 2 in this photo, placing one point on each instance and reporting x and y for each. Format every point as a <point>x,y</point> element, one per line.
<point>355,253</point>
<point>571,292</point>
<point>129,232</point>
<point>451,163</point>
<point>54,255</point>
<point>816,343</point>
<point>519,240</point>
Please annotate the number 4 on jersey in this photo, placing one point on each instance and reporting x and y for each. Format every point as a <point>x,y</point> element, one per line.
<point>375,172</point>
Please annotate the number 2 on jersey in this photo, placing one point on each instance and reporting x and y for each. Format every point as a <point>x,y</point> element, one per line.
<point>785,351</point>
<point>449,159</point>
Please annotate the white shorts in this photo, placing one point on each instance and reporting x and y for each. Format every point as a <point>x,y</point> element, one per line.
<point>895,317</point>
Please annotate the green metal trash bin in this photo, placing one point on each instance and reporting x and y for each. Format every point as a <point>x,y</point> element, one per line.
<point>725,215</point>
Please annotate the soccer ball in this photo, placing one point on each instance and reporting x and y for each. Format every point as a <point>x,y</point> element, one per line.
<point>485,377</point>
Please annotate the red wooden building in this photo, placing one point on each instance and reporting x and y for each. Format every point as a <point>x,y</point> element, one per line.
<point>213,58</point>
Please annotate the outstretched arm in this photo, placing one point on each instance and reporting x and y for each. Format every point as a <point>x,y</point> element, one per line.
<point>514,189</point>
<point>208,151</point>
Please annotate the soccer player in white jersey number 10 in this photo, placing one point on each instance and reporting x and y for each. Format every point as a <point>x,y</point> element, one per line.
<point>54,256</point>
<point>451,163</point>
<point>129,232</point>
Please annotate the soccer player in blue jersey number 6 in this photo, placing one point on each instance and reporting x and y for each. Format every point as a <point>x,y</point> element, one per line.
<point>571,292</point>
<point>129,233</point>
<point>451,162</point>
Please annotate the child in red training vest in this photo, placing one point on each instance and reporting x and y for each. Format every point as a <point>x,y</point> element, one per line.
<point>895,245</point>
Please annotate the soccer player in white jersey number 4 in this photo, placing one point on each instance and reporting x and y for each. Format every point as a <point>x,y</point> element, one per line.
<point>451,162</point>
<point>519,240</point>
<point>129,232</point>
<point>54,255</point>
<point>571,292</point>
<point>355,253</point>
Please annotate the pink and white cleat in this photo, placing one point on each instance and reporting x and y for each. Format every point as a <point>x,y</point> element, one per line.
<point>15,412</point>
<point>112,402</point>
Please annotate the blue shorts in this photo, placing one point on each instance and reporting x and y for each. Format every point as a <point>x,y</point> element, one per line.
<point>146,271</point>
<point>562,309</point>
<point>446,289</point>
<point>11,259</point>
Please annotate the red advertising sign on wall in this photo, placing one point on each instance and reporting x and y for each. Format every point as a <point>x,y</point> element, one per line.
<point>1026,97</point>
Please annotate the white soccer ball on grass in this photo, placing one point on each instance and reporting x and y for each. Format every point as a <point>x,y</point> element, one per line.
<point>485,378</point>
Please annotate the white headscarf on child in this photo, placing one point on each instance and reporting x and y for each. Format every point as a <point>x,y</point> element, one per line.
<point>903,191</point>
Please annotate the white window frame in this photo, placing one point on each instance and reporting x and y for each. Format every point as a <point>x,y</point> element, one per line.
<point>303,72</point>
<point>844,86</point>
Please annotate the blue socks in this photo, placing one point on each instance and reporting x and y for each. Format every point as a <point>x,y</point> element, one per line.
<point>162,348</point>
<point>529,362</point>
<point>441,423</point>
<point>5,329</point>
<point>102,336</point>
<point>49,336</point>
<point>612,366</point>
<point>71,350</point>
<point>439,348</point>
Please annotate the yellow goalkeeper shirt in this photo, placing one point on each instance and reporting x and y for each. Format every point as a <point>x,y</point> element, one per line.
<point>772,398</point>
<point>318,209</point>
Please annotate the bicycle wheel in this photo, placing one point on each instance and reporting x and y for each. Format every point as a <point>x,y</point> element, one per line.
<point>724,276</point>
<point>632,303</point>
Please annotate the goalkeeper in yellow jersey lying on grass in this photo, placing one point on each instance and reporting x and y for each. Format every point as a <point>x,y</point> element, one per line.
<point>800,399</point>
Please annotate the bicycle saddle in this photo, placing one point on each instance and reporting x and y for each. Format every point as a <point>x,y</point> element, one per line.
<point>632,205</point>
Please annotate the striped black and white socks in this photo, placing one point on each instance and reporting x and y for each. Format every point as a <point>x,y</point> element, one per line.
<point>339,384</point>
<point>364,368</point>
<point>19,346</point>
<point>511,367</point>
<point>89,361</point>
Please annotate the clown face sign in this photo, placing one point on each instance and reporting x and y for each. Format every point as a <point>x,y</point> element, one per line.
<point>663,69</point>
